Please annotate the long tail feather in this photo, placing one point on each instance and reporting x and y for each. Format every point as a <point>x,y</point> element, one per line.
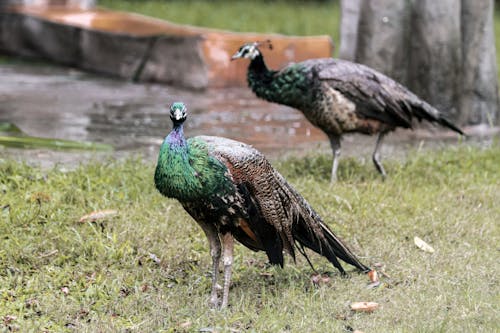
<point>426,111</point>
<point>341,250</point>
<point>309,230</point>
<point>444,122</point>
<point>326,243</point>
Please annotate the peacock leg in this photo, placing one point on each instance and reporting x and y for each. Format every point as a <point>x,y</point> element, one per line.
<point>215,252</point>
<point>376,156</point>
<point>228,243</point>
<point>335,144</point>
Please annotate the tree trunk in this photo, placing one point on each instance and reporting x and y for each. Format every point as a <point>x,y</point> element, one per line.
<point>442,50</point>
<point>383,23</point>
<point>479,98</point>
<point>349,29</point>
<point>435,68</point>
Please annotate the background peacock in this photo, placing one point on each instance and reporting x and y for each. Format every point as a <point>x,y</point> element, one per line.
<point>232,191</point>
<point>339,97</point>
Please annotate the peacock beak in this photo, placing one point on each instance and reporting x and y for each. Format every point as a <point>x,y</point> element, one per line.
<point>235,56</point>
<point>178,114</point>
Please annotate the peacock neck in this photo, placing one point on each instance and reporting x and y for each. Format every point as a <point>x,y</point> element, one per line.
<point>287,86</point>
<point>259,77</point>
<point>186,171</point>
<point>176,137</point>
<point>173,163</point>
<point>258,66</point>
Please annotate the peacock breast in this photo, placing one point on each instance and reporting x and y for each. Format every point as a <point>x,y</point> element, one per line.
<point>336,114</point>
<point>188,172</point>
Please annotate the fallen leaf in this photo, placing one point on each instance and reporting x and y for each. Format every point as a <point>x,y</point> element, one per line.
<point>364,306</point>
<point>423,245</point>
<point>98,215</point>
<point>373,285</point>
<point>208,330</point>
<point>8,319</point>
<point>155,258</point>
<point>266,274</point>
<point>48,254</point>
<point>185,324</point>
<point>373,275</point>
<point>65,290</point>
<point>318,279</point>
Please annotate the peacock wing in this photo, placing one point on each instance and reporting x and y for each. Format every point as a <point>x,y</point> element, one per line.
<point>376,96</point>
<point>256,178</point>
<point>278,204</point>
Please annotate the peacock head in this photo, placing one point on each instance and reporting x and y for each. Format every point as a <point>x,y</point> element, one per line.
<point>178,112</point>
<point>250,50</point>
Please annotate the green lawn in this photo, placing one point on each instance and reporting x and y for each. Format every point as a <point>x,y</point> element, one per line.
<point>286,17</point>
<point>57,274</point>
<point>146,269</point>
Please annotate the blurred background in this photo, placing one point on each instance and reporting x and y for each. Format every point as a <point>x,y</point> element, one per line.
<point>100,73</point>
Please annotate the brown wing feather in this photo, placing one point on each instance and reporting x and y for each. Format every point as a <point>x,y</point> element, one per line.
<point>250,167</point>
<point>280,205</point>
<point>375,95</point>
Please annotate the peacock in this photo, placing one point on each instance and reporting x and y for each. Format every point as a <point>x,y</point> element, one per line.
<point>233,192</point>
<point>339,97</point>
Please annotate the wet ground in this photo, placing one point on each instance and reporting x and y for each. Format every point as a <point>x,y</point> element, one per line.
<point>57,102</point>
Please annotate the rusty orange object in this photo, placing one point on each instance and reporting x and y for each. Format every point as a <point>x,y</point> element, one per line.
<point>364,306</point>
<point>216,46</point>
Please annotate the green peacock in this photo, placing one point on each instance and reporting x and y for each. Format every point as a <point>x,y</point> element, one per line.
<point>339,97</point>
<point>233,192</point>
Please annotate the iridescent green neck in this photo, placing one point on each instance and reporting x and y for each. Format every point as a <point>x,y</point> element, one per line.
<point>186,171</point>
<point>288,86</point>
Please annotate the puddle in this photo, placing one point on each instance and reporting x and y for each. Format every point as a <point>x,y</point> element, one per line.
<point>55,102</point>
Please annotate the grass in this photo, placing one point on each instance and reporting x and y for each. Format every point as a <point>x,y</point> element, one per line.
<point>147,269</point>
<point>300,18</point>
